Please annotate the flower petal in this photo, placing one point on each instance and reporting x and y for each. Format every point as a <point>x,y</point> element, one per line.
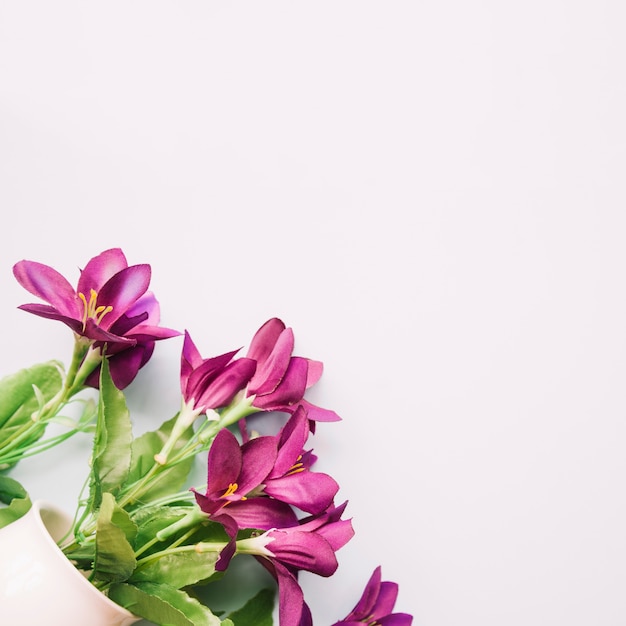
<point>190,358</point>
<point>224,462</point>
<point>271,371</point>
<point>303,550</point>
<point>258,456</point>
<point>227,384</point>
<point>290,595</point>
<point>124,365</point>
<point>49,312</point>
<point>100,269</point>
<point>291,388</point>
<point>366,603</point>
<point>292,438</point>
<point>316,369</point>
<point>265,339</point>
<point>262,513</point>
<point>201,374</point>
<point>123,290</point>
<point>46,283</point>
<point>318,414</point>
<point>396,619</point>
<point>387,596</point>
<point>312,492</point>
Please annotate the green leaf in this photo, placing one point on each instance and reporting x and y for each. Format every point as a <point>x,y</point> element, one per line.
<point>17,499</point>
<point>257,611</point>
<point>178,569</point>
<point>170,479</point>
<point>22,395</point>
<point>151,519</point>
<point>164,605</point>
<point>115,558</point>
<point>112,442</point>
<point>19,399</point>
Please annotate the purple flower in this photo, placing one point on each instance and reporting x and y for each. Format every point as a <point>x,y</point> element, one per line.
<point>281,379</point>
<point>311,547</point>
<point>111,305</point>
<point>376,605</point>
<point>234,473</point>
<point>291,480</point>
<point>211,383</point>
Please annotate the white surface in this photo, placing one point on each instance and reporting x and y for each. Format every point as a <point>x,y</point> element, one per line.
<point>430,193</point>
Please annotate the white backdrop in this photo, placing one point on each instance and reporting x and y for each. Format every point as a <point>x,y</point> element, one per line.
<point>430,193</point>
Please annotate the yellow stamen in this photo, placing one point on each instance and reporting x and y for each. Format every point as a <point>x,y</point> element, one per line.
<point>297,467</point>
<point>90,308</point>
<point>81,295</point>
<point>231,490</point>
<point>104,311</point>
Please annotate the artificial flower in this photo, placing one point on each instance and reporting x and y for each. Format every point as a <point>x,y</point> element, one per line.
<point>376,605</point>
<point>281,379</point>
<point>211,383</point>
<point>140,535</point>
<point>111,306</point>
<point>291,479</point>
<point>234,473</point>
<point>309,546</point>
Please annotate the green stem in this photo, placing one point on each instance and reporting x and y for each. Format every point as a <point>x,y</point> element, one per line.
<point>214,546</point>
<point>191,519</point>
<point>26,438</point>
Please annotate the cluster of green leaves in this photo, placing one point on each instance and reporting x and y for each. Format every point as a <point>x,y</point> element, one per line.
<point>24,394</point>
<point>131,500</point>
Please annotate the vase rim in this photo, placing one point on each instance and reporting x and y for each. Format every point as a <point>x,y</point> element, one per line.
<point>39,506</point>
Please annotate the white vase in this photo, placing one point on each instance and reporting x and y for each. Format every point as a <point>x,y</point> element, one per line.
<point>39,585</point>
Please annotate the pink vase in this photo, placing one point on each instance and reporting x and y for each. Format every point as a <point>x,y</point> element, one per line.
<point>39,585</point>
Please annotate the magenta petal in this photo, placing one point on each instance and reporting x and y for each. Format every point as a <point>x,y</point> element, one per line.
<point>149,305</point>
<point>125,365</point>
<point>306,619</point>
<point>258,456</point>
<point>387,596</point>
<point>190,358</point>
<point>293,436</point>
<point>318,414</point>
<point>231,528</point>
<point>124,324</point>
<point>396,619</point>
<point>290,390</point>
<point>122,291</point>
<point>376,605</point>
<point>204,372</point>
<point>271,371</point>
<point>99,269</point>
<point>224,463</point>
<point>46,283</point>
<point>191,354</point>
<point>338,533</point>
<point>303,550</point>
<point>264,339</point>
<point>227,384</point>
<point>290,596</point>
<point>145,332</point>
<point>262,513</point>
<point>366,604</point>
<point>316,369</point>
<point>312,492</point>
<point>97,333</point>
<point>49,312</point>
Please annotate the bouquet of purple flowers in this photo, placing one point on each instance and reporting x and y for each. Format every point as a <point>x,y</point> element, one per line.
<point>142,535</point>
